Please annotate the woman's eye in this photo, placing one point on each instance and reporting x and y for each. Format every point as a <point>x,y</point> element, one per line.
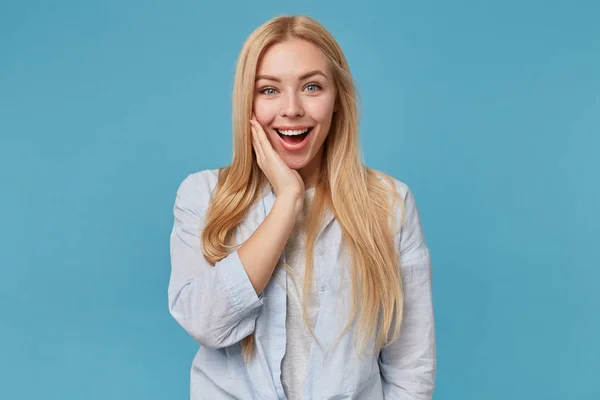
<point>268,91</point>
<point>314,86</point>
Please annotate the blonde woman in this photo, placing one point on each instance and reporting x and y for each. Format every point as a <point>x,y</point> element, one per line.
<point>300,272</point>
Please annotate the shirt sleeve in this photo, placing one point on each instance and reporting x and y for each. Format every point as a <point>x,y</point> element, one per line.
<point>217,305</point>
<point>408,366</point>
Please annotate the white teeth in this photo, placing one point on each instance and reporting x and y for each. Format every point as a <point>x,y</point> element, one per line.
<point>292,133</point>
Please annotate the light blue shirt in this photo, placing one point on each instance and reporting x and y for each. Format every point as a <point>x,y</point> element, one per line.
<point>218,306</point>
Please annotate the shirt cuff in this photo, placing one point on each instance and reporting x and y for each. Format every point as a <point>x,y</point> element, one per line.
<point>241,292</point>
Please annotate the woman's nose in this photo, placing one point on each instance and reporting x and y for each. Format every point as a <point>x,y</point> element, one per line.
<point>292,106</point>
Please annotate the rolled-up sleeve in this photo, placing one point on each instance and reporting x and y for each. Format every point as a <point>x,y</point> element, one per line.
<point>408,366</point>
<point>217,305</point>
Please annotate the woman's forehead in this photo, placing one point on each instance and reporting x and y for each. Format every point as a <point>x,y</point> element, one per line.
<point>292,59</point>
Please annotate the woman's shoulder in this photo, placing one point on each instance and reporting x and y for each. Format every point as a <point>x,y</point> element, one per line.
<point>199,180</point>
<point>197,187</point>
<point>396,186</point>
<point>404,204</point>
<point>203,177</point>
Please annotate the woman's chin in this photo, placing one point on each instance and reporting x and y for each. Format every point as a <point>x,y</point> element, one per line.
<point>294,164</point>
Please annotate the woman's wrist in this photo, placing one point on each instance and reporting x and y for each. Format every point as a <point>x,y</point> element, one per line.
<point>291,202</point>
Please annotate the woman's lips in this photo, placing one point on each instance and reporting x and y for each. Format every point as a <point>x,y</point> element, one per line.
<point>294,147</point>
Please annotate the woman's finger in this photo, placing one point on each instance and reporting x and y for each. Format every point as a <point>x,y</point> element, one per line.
<point>262,138</point>
<point>256,145</point>
<point>263,141</point>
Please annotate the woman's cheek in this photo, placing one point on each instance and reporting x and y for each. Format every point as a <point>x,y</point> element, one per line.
<point>322,109</point>
<point>264,112</point>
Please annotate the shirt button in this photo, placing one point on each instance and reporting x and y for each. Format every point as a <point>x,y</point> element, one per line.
<point>320,250</point>
<point>322,288</point>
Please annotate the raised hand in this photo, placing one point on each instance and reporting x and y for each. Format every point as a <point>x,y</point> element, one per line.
<point>286,182</point>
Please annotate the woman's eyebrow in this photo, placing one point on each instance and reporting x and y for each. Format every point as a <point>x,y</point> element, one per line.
<point>305,76</point>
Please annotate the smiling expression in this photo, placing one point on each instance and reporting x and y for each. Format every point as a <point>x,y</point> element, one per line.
<point>294,91</point>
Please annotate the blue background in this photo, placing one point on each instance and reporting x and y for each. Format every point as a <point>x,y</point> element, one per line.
<point>489,110</point>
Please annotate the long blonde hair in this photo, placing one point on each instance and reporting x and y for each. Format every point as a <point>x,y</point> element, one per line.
<point>345,185</point>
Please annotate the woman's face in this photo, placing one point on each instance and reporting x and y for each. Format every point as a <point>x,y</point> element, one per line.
<point>294,91</point>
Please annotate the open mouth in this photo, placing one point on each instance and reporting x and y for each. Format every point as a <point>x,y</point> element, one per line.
<point>294,137</point>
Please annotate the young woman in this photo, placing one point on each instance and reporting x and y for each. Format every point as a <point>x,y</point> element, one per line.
<point>300,272</point>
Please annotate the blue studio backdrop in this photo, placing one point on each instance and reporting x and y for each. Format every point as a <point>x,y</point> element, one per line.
<point>489,111</point>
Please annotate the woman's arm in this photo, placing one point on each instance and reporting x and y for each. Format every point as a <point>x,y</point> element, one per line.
<point>408,366</point>
<point>260,253</point>
<point>218,305</point>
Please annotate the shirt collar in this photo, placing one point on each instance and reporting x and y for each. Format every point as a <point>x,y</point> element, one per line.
<point>268,200</point>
